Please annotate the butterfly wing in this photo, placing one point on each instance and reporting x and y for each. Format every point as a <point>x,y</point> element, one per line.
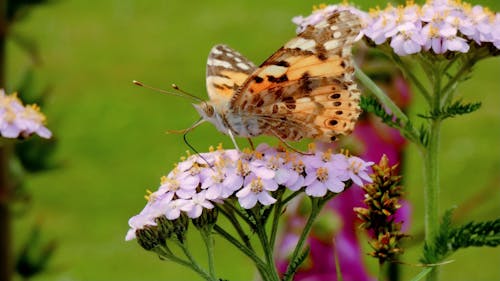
<point>227,70</point>
<point>305,89</point>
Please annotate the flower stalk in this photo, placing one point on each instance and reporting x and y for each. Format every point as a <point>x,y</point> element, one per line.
<point>316,206</point>
<point>6,265</point>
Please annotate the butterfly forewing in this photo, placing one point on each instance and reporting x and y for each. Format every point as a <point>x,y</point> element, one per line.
<point>227,70</point>
<point>305,89</point>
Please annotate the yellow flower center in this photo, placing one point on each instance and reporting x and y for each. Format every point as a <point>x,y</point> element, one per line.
<point>256,185</point>
<point>327,155</point>
<point>298,166</point>
<point>322,174</point>
<point>242,168</point>
<point>355,167</point>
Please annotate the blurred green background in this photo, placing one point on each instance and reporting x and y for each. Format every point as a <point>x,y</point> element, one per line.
<point>112,141</point>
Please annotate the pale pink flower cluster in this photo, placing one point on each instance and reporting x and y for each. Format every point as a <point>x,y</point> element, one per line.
<point>248,177</point>
<point>19,121</point>
<point>438,26</point>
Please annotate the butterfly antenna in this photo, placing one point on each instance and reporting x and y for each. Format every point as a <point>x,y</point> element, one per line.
<point>181,94</point>
<point>175,87</point>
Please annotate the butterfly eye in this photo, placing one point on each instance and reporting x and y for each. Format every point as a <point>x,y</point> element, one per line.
<point>209,110</point>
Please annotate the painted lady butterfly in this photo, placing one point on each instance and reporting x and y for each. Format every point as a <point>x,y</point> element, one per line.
<point>304,90</point>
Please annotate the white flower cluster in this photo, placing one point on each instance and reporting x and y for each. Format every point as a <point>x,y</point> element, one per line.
<point>250,177</point>
<point>438,26</point>
<point>19,121</point>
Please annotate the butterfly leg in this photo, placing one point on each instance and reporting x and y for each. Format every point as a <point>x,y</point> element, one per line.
<point>289,146</point>
<point>230,133</point>
<point>251,143</point>
<point>187,130</point>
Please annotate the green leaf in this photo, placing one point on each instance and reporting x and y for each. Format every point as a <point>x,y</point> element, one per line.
<point>476,234</point>
<point>449,239</point>
<point>295,264</point>
<point>456,108</point>
<point>371,104</point>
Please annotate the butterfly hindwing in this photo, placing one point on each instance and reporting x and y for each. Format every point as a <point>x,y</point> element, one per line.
<point>226,72</point>
<point>305,89</point>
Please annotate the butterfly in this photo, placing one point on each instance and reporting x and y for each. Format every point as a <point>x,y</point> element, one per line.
<point>304,90</point>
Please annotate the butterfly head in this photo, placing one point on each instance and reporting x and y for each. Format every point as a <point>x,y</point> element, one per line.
<point>209,112</point>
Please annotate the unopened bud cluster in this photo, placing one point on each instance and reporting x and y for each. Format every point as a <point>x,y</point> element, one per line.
<point>382,201</point>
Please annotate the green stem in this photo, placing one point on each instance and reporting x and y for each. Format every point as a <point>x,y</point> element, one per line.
<point>409,74</point>
<point>278,206</point>
<point>196,267</point>
<point>291,196</point>
<point>381,96</point>
<point>266,246</point>
<point>167,254</point>
<point>236,224</point>
<point>381,271</point>
<point>467,64</point>
<point>450,64</point>
<point>452,84</point>
<point>259,263</point>
<point>206,234</point>
<point>431,171</point>
<point>387,102</point>
<point>241,215</point>
<point>316,205</point>
<point>229,214</point>
<point>431,193</point>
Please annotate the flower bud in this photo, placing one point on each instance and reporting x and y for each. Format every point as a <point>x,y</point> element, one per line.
<point>207,219</point>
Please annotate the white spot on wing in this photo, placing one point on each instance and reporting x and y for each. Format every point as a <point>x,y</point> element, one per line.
<point>305,100</point>
<point>332,44</point>
<point>273,70</point>
<point>301,43</point>
<point>321,24</point>
<point>214,62</point>
<point>216,51</point>
<point>243,66</point>
<point>334,27</point>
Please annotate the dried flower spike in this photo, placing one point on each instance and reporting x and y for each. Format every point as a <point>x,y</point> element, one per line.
<point>382,201</point>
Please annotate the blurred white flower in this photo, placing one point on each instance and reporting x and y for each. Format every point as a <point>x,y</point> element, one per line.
<point>19,121</point>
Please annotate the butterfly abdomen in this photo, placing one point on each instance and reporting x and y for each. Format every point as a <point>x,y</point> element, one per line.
<point>241,126</point>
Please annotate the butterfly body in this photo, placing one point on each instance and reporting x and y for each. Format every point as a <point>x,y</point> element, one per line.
<point>225,121</point>
<point>304,90</point>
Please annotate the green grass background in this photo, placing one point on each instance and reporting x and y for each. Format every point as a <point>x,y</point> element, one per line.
<point>112,137</point>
